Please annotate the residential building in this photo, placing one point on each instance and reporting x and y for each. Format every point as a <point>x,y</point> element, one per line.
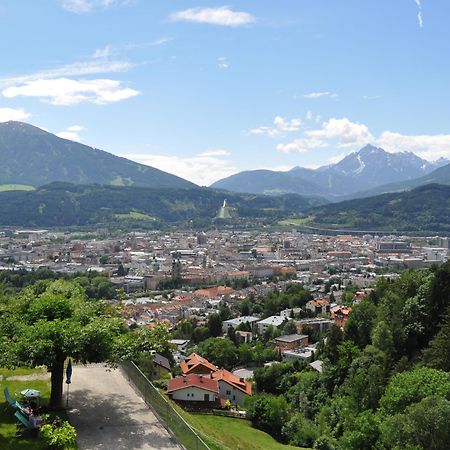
<point>273,321</point>
<point>234,323</point>
<point>161,366</point>
<point>197,364</point>
<point>291,342</point>
<point>231,387</point>
<point>193,388</point>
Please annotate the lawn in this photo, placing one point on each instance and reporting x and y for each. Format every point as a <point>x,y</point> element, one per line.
<point>226,433</point>
<point>8,441</point>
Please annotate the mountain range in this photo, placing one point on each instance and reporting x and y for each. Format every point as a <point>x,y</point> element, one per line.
<point>367,169</point>
<point>32,156</point>
<point>77,185</point>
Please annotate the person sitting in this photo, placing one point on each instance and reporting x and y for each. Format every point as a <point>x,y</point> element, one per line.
<point>35,420</point>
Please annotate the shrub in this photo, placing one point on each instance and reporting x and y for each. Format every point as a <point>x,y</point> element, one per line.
<point>59,435</point>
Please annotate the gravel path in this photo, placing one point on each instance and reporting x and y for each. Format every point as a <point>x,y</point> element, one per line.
<point>109,415</point>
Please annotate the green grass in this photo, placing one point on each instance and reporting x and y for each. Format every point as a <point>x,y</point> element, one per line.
<point>8,428</point>
<point>227,433</point>
<point>295,222</point>
<point>16,187</point>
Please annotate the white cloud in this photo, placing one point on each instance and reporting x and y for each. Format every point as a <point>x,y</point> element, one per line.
<point>70,70</point>
<point>320,94</point>
<point>65,91</point>
<point>87,6</point>
<point>336,158</point>
<point>76,128</point>
<point>301,145</point>
<point>223,16</point>
<point>18,114</point>
<point>419,13</point>
<point>102,53</point>
<point>420,19</point>
<point>287,125</point>
<point>344,131</point>
<point>280,128</point>
<point>71,133</point>
<point>202,169</point>
<point>222,63</point>
<point>218,152</point>
<point>427,146</point>
<point>309,115</point>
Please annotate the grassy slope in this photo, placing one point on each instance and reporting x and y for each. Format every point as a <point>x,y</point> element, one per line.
<point>226,433</point>
<point>7,420</point>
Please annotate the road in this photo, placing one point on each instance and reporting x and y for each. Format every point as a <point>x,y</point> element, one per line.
<point>109,415</point>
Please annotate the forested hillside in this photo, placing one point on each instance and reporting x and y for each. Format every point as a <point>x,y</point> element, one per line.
<point>426,208</point>
<point>65,204</point>
<point>385,382</point>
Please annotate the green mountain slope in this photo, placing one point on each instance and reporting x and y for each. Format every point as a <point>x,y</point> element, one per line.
<point>438,176</point>
<point>64,204</point>
<point>426,208</point>
<point>32,156</point>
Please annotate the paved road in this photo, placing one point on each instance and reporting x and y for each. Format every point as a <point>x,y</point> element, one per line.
<point>109,415</point>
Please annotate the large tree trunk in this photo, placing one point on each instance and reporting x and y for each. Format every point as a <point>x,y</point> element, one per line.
<point>57,380</point>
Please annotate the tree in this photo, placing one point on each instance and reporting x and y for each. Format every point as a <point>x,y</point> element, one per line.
<point>410,387</point>
<point>121,270</point>
<point>360,322</point>
<point>220,352</point>
<point>268,379</point>
<point>268,413</point>
<point>289,327</point>
<point>214,325</point>
<point>438,353</point>
<point>423,425</point>
<point>300,431</point>
<point>382,338</point>
<point>334,338</point>
<point>200,334</point>
<point>363,433</point>
<point>245,308</point>
<point>307,395</point>
<point>46,326</point>
<point>366,379</point>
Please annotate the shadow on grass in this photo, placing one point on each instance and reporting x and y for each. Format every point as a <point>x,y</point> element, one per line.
<point>115,422</point>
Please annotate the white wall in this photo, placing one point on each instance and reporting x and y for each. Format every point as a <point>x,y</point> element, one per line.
<point>193,394</point>
<point>236,396</point>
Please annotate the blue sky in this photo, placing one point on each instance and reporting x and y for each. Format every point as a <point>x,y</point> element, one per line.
<point>205,89</point>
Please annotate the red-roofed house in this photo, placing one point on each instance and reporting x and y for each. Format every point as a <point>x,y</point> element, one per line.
<point>213,292</point>
<point>197,364</point>
<point>318,306</point>
<point>231,387</point>
<point>193,388</point>
<point>340,315</point>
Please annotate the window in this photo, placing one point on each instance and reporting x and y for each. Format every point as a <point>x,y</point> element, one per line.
<point>228,393</point>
